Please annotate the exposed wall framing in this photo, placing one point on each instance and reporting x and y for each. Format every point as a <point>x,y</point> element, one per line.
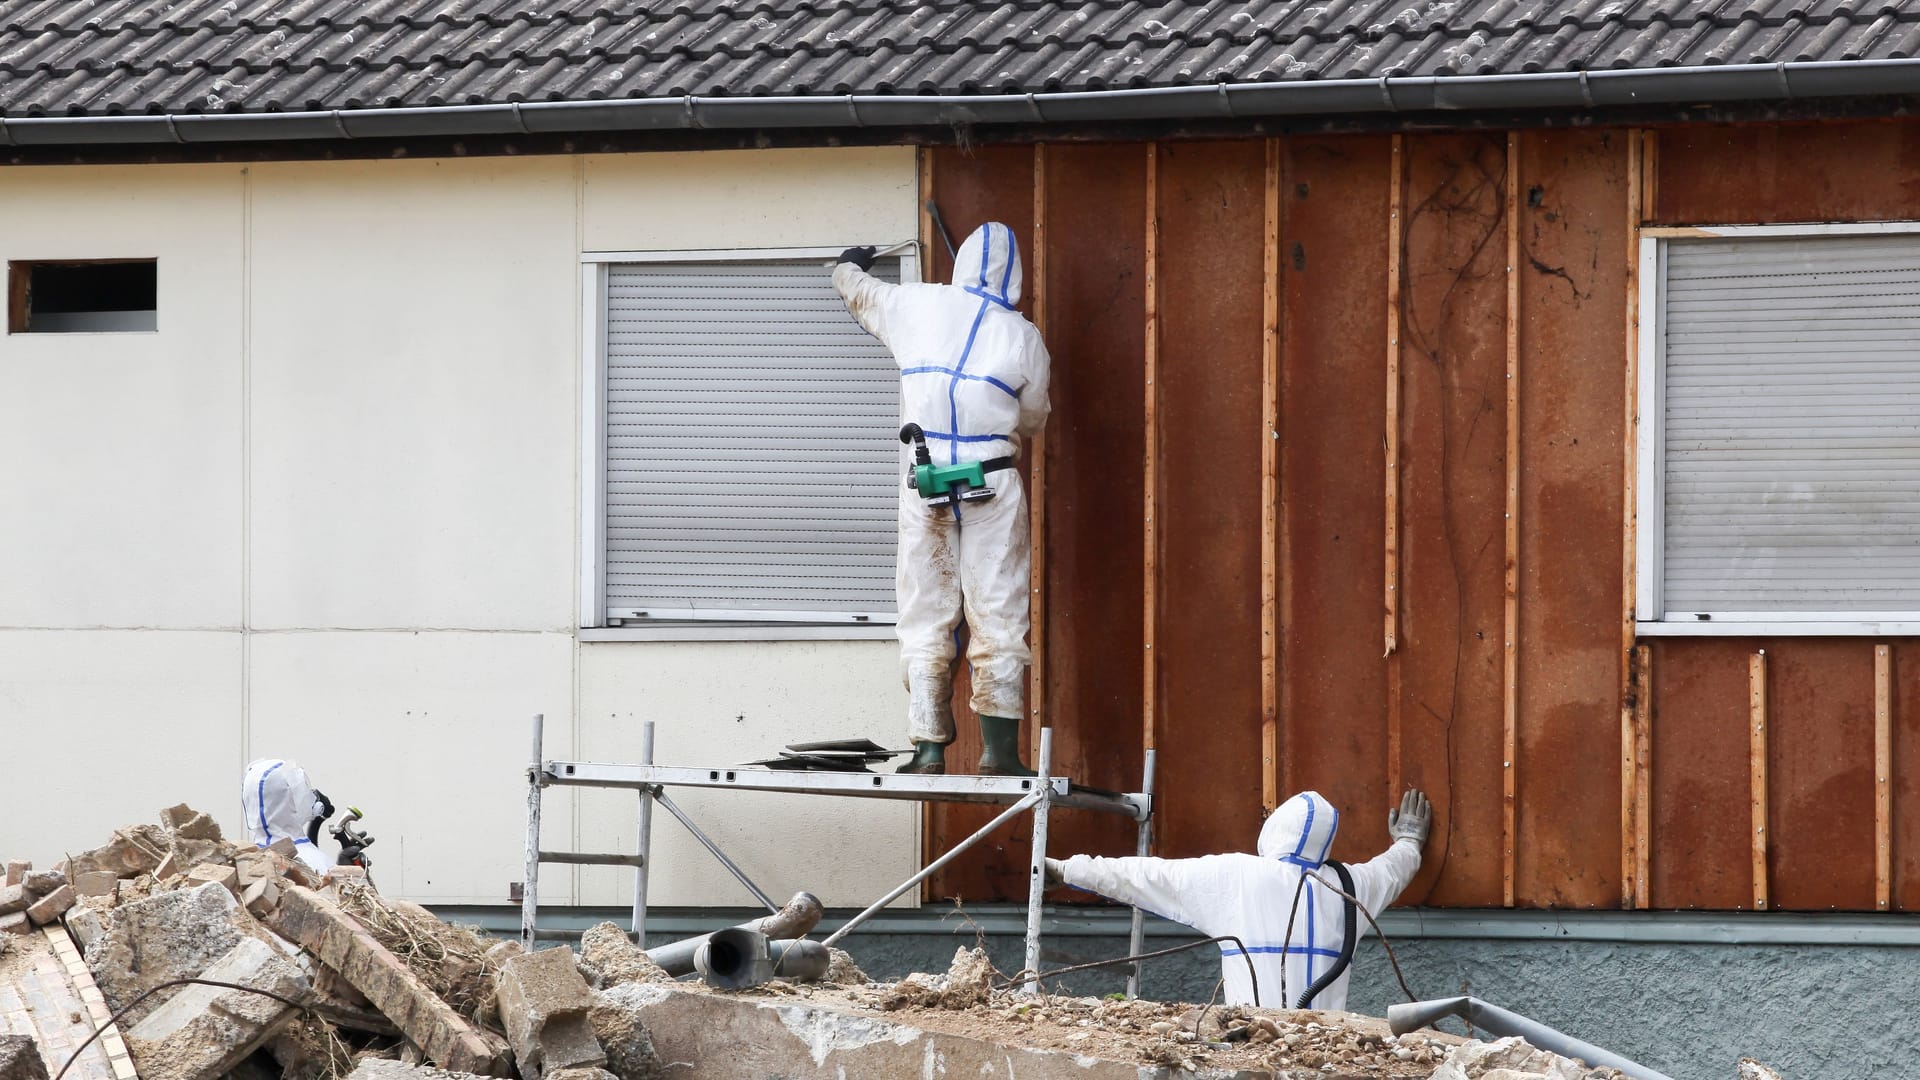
<point>1270,483</point>
<point>1757,732</point>
<point>1510,631</point>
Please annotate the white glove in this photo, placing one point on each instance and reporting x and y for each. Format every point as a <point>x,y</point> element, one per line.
<point>1055,875</point>
<point>1412,820</point>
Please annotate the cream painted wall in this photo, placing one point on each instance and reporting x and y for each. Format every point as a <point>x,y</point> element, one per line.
<point>334,502</point>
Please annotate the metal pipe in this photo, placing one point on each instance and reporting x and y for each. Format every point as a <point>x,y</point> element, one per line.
<point>1393,94</point>
<point>1142,845</point>
<point>738,874</point>
<point>530,888</point>
<point>1011,812</point>
<point>735,959</point>
<point>1037,867</point>
<point>800,916</point>
<point>1498,1021</point>
<point>643,842</point>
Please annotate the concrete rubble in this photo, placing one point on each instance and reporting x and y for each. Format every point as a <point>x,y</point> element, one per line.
<point>325,979</point>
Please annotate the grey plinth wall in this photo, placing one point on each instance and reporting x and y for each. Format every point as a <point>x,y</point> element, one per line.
<point>1815,996</point>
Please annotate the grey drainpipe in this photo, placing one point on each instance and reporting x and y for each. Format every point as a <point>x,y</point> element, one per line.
<point>1426,93</point>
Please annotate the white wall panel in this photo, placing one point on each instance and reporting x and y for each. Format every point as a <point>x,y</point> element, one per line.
<point>123,467</point>
<point>749,199</point>
<point>725,702</point>
<point>104,728</point>
<point>415,329</point>
<point>429,734</point>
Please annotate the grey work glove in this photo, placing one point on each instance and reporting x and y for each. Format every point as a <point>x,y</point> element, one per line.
<point>861,257</point>
<point>1412,820</point>
<point>1055,874</point>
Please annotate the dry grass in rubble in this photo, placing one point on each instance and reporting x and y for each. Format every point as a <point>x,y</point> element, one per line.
<point>450,959</point>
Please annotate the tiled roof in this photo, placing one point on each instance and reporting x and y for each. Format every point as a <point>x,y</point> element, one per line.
<point>118,57</point>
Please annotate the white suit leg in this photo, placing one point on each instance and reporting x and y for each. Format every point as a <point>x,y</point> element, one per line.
<point>927,592</point>
<point>996,561</point>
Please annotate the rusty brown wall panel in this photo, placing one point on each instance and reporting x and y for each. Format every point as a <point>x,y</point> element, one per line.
<point>1453,509</point>
<point>1820,773</point>
<point>1096,230</point>
<point>1788,172</point>
<point>974,186</point>
<point>1333,300</point>
<point>1211,281</point>
<point>1906,775</point>
<point>1573,242</point>
<point>1702,855</point>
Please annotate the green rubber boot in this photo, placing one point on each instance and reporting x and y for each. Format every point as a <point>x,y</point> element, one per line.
<point>1000,747</point>
<point>929,759</point>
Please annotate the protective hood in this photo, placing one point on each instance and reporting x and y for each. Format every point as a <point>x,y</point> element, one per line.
<point>278,801</point>
<point>988,265</point>
<point>1301,831</point>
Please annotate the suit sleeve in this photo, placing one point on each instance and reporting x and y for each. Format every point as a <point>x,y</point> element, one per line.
<point>1034,406</point>
<point>1184,890</point>
<point>867,297</point>
<point>1378,881</point>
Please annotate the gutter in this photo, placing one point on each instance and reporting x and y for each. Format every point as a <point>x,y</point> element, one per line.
<point>1584,90</point>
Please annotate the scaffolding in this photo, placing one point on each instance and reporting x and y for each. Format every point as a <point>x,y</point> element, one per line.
<point>1038,795</point>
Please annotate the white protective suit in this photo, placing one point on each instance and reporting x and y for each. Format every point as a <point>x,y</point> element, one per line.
<point>973,375</point>
<point>277,800</point>
<point>1247,896</point>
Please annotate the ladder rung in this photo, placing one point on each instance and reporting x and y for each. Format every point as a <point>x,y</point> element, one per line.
<point>581,858</point>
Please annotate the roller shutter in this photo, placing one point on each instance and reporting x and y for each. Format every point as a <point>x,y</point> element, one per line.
<point>1791,418</point>
<point>752,467</point>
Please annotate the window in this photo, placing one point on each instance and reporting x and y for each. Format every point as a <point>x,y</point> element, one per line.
<point>1779,452</point>
<point>95,295</point>
<point>742,452</point>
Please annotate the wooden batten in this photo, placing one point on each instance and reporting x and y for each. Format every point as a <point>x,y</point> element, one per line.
<point>1150,591</point>
<point>1036,451</point>
<point>1270,487</point>
<point>1757,771</point>
<point>1882,777</point>
<point>1396,244</point>
<point>1642,774</point>
<point>1629,785</point>
<point>1510,683</point>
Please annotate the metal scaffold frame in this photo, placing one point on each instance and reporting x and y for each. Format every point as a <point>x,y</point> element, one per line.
<point>1039,795</point>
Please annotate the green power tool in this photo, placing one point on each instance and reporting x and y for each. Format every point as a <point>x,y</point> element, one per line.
<point>945,485</point>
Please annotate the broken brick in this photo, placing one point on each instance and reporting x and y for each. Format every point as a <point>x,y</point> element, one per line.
<point>42,882</point>
<point>17,870</point>
<point>51,906</point>
<point>343,944</point>
<point>261,897</point>
<point>13,898</point>
<point>96,883</point>
<point>186,823</point>
<point>544,1004</point>
<point>15,923</point>
<point>215,873</point>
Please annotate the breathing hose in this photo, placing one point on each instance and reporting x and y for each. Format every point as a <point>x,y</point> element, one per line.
<point>1348,939</point>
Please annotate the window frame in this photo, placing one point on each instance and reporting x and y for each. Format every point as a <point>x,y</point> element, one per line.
<point>594,624</point>
<point>1651,619</point>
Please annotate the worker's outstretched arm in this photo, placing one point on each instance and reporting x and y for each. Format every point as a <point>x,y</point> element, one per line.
<point>1177,889</point>
<point>866,296</point>
<point>1378,881</point>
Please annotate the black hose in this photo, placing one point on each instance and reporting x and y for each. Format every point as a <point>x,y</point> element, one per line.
<point>128,1007</point>
<point>1348,939</point>
<point>1252,976</point>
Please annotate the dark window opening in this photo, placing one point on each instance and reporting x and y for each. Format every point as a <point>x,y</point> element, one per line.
<point>77,297</point>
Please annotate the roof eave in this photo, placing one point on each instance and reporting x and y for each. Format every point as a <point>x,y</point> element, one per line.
<point>1412,94</point>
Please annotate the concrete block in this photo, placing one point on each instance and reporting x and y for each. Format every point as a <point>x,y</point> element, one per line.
<point>170,935</point>
<point>215,873</point>
<point>41,882</point>
<point>623,1035</point>
<point>608,958</point>
<point>544,1005</point>
<point>51,906</point>
<point>16,923</point>
<point>187,823</point>
<point>17,870</point>
<point>96,883</point>
<point>20,1059</point>
<point>86,924</point>
<point>203,1032</point>
<point>388,1069</point>
<point>344,945</point>
<point>14,898</point>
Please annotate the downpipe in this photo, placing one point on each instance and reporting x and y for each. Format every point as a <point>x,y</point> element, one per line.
<point>1402,1019</point>
<point>736,958</point>
<point>799,917</point>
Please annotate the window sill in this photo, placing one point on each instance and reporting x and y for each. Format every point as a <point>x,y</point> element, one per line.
<point>720,631</point>
<point>1781,628</point>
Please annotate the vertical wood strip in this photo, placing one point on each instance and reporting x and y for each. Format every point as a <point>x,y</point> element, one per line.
<point>1037,485</point>
<point>1151,580</point>
<point>923,813</point>
<point>1757,770</point>
<point>1629,855</point>
<point>1396,244</point>
<point>1882,777</point>
<point>1510,710</point>
<point>1642,774</point>
<point>1270,488</point>
<point>1649,177</point>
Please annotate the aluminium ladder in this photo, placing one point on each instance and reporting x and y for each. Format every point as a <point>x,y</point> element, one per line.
<point>1038,795</point>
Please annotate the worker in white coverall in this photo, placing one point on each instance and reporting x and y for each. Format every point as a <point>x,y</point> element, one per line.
<point>1253,897</point>
<point>973,377</point>
<point>280,803</point>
